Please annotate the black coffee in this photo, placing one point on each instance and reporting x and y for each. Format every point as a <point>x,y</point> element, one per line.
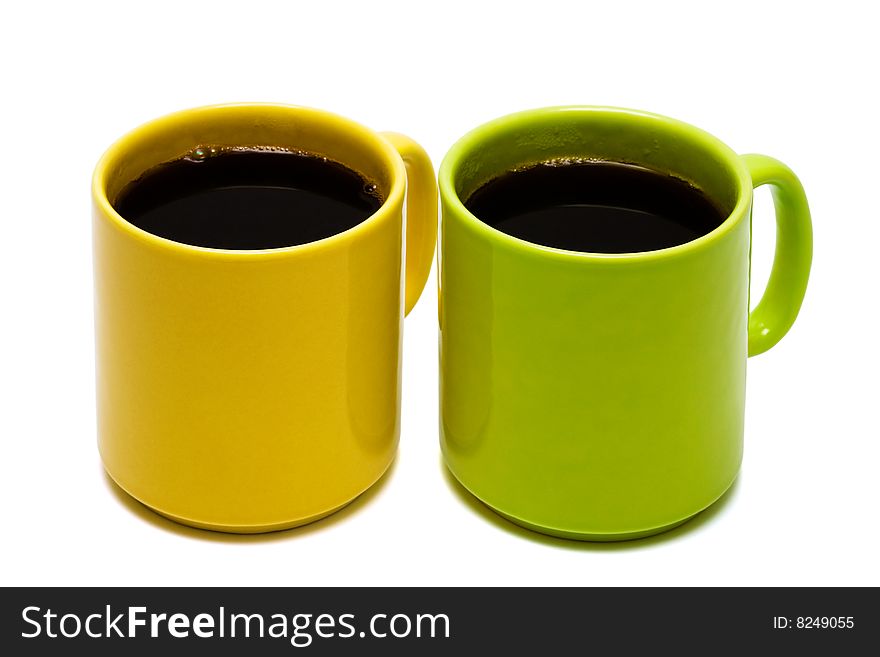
<point>248,199</point>
<point>595,206</point>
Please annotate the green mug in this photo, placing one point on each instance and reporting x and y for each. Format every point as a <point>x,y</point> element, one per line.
<point>601,396</point>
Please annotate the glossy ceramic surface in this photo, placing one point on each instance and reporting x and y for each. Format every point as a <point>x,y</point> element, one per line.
<point>249,391</point>
<point>598,396</point>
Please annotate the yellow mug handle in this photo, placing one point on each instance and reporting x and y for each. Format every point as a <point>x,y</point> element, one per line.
<point>421,215</point>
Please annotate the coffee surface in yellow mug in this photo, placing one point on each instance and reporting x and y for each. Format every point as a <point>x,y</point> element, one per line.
<point>256,390</point>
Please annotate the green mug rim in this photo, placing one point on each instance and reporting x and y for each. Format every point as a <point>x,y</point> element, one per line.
<point>468,143</point>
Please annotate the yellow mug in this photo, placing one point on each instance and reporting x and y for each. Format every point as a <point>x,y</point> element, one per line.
<point>256,390</point>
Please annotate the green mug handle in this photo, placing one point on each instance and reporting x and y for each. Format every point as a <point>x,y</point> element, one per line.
<point>778,308</point>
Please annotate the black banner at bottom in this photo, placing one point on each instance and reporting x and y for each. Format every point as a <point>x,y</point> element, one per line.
<point>436,621</point>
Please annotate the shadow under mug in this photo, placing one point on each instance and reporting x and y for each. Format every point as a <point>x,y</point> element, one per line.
<point>256,390</point>
<point>601,396</point>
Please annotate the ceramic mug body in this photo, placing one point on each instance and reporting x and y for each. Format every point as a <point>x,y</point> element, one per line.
<point>255,390</point>
<point>601,396</point>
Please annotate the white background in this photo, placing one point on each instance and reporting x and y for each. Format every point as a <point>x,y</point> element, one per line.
<point>785,79</point>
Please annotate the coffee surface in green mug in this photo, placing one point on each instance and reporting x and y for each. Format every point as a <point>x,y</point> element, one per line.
<point>595,206</point>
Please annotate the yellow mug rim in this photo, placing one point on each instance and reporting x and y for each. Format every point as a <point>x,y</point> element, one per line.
<point>383,149</point>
